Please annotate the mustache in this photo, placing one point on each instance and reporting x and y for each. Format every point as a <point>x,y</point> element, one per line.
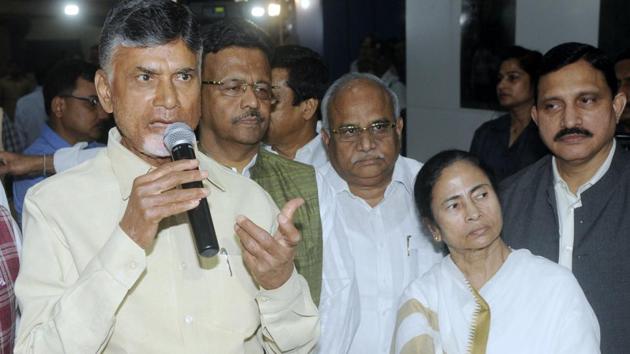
<point>569,131</point>
<point>364,156</point>
<point>248,115</point>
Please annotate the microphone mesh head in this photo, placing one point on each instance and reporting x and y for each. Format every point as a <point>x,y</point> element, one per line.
<point>178,133</point>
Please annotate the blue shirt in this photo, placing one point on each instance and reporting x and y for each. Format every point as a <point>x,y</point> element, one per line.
<point>46,144</point>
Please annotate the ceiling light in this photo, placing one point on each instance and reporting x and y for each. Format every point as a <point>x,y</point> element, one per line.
<point>258,11</point>
<point>273,9</point>
<point>71,9</point>
<point>305,4</point>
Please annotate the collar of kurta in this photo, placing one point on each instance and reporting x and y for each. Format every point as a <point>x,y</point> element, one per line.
<point>127,166</point>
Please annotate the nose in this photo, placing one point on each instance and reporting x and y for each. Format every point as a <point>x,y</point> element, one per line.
<point>472,212</point>
<point>366,141</point>
<point>166,95</point>
<point>249,99</point>
<point>501,84</point>
<point>571,117</point>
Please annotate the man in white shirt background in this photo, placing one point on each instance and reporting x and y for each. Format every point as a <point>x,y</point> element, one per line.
<point>374,245</point>
<point>299,79</point>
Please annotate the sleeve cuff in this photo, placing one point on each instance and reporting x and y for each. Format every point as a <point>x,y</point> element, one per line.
<point>122,258</point>
<point>278,299</point>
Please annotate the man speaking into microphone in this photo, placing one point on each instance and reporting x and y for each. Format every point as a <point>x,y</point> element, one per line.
<point>109,260</point>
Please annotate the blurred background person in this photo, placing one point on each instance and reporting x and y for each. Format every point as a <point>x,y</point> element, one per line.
<point>75,115</point>
<point>485,297</point>
<point>622,71</point>
<point>299,79</point>
<point>511,142</point>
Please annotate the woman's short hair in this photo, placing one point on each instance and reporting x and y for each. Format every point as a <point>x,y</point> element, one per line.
<point>430,173</point>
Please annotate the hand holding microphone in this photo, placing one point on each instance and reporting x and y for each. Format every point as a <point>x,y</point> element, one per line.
<point>179,138</point>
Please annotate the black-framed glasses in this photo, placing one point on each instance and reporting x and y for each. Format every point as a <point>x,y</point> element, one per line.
<point>351,133</point>
<point>91,100</point>
<point>236,88</point>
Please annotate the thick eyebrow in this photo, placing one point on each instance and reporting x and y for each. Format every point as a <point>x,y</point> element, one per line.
<point>186,71</point>
<point>379,120</point>
<point>146,70</point>
<point>593,91</point>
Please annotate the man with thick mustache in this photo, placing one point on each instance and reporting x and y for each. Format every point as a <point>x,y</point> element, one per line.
<point>236,99</point>
<point>374,243</point>
<point>572,207</point>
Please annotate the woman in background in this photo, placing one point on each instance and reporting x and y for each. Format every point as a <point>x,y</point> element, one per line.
<point>511,142</point>
<point>485,297</point>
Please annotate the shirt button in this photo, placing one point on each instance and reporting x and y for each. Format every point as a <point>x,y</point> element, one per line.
<point>581,221</point>
<point>183,266</point>
<point>188,319</point>
<point>133,265</point>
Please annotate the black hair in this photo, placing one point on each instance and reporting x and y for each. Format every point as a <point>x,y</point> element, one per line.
<point>528,60</point>
<point>568,53</point>
<point>625,55</point>
<point>147,23</point>
<point>430,173</point>
<point>308,75</point>
<point>62,79</point>
<point>235,32</point>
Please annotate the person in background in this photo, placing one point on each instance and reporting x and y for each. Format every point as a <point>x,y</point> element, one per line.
<point>511,142</point>
<point>75,115</point>
<point>374,244</point>
<point>572,207</point>
<point>485,297</point>
<point>10,247</point>
<point>622,71</point>
<point>299,79</point>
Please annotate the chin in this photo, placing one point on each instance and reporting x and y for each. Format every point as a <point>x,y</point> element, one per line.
<point>154,146</point>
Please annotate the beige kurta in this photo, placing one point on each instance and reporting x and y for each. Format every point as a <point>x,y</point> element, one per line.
<point>86,287</point>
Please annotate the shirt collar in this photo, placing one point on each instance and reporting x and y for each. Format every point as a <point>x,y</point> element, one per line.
<point>52,138</point>
<point>127,166</point>
<point>601,171</point>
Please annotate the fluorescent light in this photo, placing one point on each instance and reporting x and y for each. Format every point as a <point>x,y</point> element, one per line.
<point>71,9</point>
<point>273,9</point>
<point>258,11</point>
<point>305,4</point>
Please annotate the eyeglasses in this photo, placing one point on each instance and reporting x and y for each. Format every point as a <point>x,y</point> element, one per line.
<point>236,88</point>
<point>351,133</point>
<point>91,100</point>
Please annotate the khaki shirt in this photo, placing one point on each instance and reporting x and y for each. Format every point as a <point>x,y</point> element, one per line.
<point>86,287</point>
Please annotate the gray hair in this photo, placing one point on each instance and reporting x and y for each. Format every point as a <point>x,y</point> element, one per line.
<point>344,81</point>
<point>146,23</point>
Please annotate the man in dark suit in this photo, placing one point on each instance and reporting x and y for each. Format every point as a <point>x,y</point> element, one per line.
<point>572,207</point>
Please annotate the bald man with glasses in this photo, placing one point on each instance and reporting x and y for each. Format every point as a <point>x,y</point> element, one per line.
<point>374,245</point>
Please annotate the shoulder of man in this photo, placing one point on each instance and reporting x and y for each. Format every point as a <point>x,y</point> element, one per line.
<point>84,181</point>
<point>531,177</point>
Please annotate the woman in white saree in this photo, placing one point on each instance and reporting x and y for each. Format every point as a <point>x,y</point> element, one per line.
<point>485,297</point>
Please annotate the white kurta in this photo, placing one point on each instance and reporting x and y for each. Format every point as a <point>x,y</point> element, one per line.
<point>371,254</point>
<point>536,306</point>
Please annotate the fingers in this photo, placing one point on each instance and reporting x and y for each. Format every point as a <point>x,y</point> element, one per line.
<point>286,227</point>
<point>255,240</point>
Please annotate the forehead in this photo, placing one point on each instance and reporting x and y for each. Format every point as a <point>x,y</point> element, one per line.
<point>458,178</point>
<point>572,80</point>
<point>238,63</point>
<point>83,86</point>
<point>360,102</point>
<point>510,65</point>
<point>279,74</point>
<point>169,57</point>
<point>622,68</point>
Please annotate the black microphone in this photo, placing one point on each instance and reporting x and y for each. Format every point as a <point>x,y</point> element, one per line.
<point>179,138</point>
